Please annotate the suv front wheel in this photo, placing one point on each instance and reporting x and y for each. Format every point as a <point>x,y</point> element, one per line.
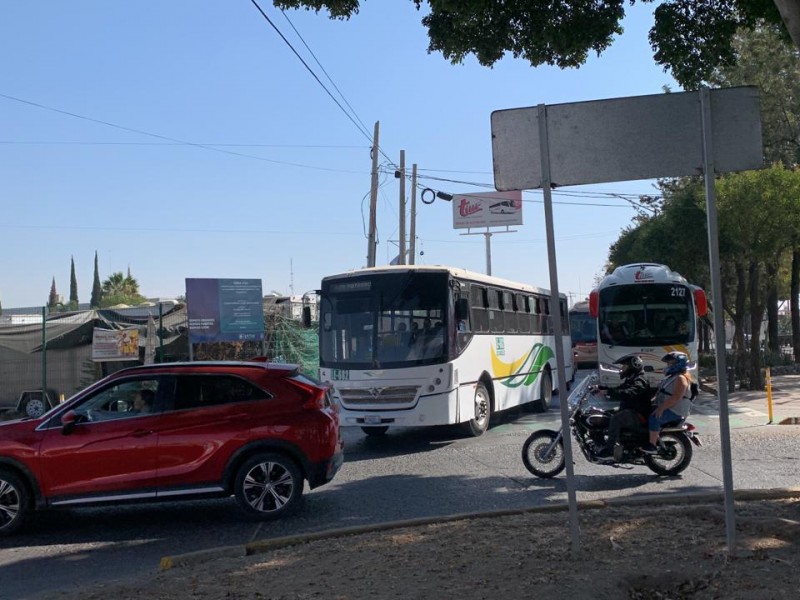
<point>14,502</point>
<point>268,486</point>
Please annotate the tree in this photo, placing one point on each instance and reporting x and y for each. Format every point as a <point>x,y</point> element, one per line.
<point>690,38</point>
<point>121,289</point>
<point>97,290</point>
<point>52,299</point>
<point>73,286</point>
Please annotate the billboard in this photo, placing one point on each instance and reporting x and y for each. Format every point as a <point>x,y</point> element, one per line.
<point>225,310</point>
<point>489,209</point>
<point>115,344</point>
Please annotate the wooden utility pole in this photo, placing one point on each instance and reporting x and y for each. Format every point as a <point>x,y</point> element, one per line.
<point>412,234</point>
<point>402,260</point>
<point>373,199</point>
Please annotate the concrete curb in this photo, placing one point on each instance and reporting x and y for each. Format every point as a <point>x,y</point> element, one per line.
<point>259,547</point>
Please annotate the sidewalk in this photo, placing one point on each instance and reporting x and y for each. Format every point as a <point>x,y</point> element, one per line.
<point>754,406</point>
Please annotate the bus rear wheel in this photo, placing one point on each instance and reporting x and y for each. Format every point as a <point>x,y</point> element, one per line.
<point>483,412</point>
<point>545,393</point>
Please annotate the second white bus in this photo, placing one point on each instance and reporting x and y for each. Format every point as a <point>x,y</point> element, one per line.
<point>430,345</point>
<point>649,310</point>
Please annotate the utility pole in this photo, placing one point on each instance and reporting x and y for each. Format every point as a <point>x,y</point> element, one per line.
<point>413,231</point>
<point>373,199</point>
<point>402,260</point>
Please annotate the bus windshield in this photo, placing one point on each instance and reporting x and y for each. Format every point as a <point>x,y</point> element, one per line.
<point>582,328</point>
<point>646,315</point>
<point>384,320</point>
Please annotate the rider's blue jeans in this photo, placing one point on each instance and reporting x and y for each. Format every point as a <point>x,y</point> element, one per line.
<point>655,424</point>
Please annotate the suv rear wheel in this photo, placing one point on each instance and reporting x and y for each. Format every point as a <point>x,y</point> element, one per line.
<point>14,502</point>
<point>268,486</point>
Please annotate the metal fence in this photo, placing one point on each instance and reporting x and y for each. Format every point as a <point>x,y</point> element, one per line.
<point>54,351</point>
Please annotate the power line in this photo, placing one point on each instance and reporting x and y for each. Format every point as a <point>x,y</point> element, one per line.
<point>360,127</point>
<point>333,83</point>
<point>170,139</point>
<point>215,144</point>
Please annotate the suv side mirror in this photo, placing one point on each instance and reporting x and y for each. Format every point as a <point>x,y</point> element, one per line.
<point>68,421</point>
<point>306,317</point>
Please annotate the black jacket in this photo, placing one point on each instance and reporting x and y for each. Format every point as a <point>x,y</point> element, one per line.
<point>634,394</point>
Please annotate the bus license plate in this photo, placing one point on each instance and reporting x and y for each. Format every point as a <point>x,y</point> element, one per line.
<point>372,420</point>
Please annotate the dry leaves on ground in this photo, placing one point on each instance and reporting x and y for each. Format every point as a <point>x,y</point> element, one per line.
<point>670,552</point>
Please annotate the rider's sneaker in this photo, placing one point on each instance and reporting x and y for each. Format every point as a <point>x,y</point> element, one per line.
<point>605,460</point>
<point>649,449</point>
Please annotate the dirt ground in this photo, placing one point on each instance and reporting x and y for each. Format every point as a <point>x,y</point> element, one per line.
<point>632,552</point>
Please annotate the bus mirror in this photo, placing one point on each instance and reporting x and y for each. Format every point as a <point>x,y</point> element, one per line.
<point>462,309</point>
<point>594,303</point>
<point>306,318</point>
<point>700,302</point>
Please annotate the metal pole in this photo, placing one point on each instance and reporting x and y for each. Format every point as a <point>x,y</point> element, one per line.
<point>555,310</point>
<point>402,207</point>
<point>373,203</point>
<point>160,333</point>
<point>719,324</point>
<point>412,234</point>
<point>44,357</point>
<point>488,236</point>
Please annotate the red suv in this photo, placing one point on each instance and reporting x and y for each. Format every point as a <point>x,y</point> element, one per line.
<point>254,430</point>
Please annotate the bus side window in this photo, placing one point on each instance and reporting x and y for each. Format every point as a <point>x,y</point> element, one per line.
<point>523,313</point>
<point>509,313</point>
<point>496,321</point>
<point>478,302</point>
<point>536,319</point>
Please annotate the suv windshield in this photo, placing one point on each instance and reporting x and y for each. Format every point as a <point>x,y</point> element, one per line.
<point>390,319</point>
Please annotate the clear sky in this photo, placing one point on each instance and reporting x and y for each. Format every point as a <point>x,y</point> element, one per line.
<point>198,145</point>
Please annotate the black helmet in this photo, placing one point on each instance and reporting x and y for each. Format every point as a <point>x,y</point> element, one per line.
<point>631,366</point>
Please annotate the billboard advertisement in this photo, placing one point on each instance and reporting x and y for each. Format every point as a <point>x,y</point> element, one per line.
<point>489,209</point>
<point>115,344</point>
<point>225,310</point>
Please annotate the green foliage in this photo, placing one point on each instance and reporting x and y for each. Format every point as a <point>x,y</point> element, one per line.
<point>52,298</point>
<point>97,290</point>
<point>690,38</point>
<point>121,289</point>
<point>73,286</point>
<point>766,60</point>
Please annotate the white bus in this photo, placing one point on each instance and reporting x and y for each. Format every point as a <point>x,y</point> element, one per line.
<point>649,310</point>
<point>431,345</point>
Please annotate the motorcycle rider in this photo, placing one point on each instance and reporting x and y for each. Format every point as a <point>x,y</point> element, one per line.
<point>634,396</point>
<point>673,398</point>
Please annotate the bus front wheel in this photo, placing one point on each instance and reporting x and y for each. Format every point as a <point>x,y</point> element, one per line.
<point>483,412</point>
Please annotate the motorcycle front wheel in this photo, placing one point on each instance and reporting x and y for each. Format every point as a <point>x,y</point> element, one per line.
<point>675,454</point>
<point>536,457</point>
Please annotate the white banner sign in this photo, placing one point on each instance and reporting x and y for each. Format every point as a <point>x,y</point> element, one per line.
<point>489,209</point>
<point>115,344</point>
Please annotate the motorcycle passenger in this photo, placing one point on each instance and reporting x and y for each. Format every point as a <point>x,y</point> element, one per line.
<point>673,398</point>
<point>634,396</point>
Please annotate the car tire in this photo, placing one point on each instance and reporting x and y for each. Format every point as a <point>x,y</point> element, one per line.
<point>268,486</point>
<point>14,502</point>
<point>545,393</point>
<point>478,425</point>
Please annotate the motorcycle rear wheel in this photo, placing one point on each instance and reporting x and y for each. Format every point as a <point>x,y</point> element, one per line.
<point>534,455</point>
<point>675,459</point>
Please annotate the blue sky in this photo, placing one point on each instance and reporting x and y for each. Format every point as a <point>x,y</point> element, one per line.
<point>278,191</point>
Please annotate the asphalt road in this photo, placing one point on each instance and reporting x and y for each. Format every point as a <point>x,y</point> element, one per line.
<point>408,473</point>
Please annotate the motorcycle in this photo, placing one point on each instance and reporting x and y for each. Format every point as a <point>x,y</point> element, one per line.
<point>543,451</point>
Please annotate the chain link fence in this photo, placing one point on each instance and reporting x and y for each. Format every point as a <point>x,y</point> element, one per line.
<point>57,357</point>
